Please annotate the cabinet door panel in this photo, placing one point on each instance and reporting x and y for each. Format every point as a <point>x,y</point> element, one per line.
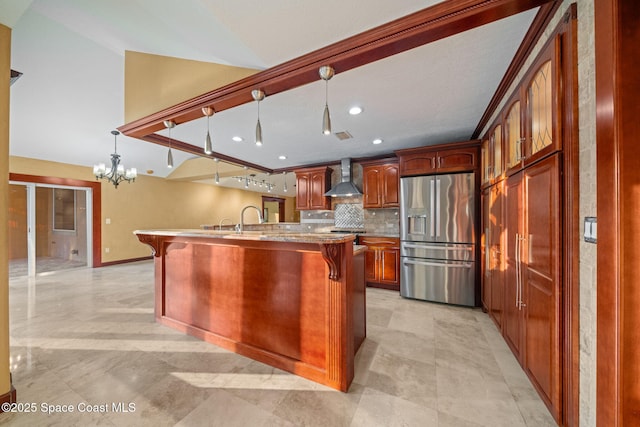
<point>317,190</point>
<point>372,197</point>
<point>542,277</point>
<point>540,323</point>
<point>390,185</point>
<point>460,159</point>
<point>485,163</point>
<point>418,164</point>
<point>514,213</point>
<point>496,245</point>
<point>302,191</point>
<point>371,265</point>
<point>513,137</point>
<point>485,250</point>
<point>389,266</point>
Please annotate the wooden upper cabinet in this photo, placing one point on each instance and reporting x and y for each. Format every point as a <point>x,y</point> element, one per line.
<point>418,163</point>
<point>531,118</point>
<point>455,157</point>
<point>513,140</point>
<point>485,155</point>
<point>457,160</point>
<point>491,157</point>
<point>542,124</point>
<point>380,185</point>
<point>311,184</point>
<point>496,146</point>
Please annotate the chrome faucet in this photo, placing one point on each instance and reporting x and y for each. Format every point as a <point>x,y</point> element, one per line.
<point>221,221</point>
<point>260,220</point>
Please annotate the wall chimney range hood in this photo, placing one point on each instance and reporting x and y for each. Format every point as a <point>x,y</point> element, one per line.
<point>345,188</point>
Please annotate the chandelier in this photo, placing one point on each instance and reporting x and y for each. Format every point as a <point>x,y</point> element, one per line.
<point>116,173</point>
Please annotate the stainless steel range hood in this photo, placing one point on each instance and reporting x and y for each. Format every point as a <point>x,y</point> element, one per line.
<point>345,188</point>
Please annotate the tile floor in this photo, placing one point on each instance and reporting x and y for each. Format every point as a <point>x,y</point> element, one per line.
<point>87,338</point>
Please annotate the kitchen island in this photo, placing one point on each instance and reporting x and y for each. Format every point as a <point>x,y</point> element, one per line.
<point>295,301</point>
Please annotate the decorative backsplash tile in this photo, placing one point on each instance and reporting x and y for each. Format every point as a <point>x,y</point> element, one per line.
<point>349,216</point>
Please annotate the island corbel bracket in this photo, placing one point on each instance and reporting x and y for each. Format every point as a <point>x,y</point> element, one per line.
<point>152,242</point>
<point>332,254</point>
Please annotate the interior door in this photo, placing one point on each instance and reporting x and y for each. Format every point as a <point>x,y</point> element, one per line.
<point>49,228</point>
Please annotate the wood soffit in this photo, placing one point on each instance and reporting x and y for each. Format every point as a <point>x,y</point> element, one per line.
<point>428,25</point>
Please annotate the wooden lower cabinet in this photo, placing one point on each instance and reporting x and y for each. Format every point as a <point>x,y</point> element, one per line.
<point>382,262</point>
<point>532,304</point>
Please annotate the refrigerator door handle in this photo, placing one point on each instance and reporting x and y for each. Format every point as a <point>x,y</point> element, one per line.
<point>438,207</point>
<point>437,264</point>
<point>432,206</point>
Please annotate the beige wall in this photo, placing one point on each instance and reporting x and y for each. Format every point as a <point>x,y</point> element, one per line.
<point>5,67</point>
<point>150,203</point>
<point>588,182</point>
<point>154,82</point>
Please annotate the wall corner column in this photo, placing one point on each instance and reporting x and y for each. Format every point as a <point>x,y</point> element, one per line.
<point>618,201</point>
<point>7,392</point>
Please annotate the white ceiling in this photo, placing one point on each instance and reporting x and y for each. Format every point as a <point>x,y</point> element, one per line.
<point>72,55</point>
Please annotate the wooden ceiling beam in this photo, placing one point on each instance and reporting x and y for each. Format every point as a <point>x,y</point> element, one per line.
<point>417,29</point>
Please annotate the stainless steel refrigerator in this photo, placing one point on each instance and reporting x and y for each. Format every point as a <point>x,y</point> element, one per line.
<point>438,238</point>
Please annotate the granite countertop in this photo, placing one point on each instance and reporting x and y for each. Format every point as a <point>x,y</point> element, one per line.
<point>276,236</point>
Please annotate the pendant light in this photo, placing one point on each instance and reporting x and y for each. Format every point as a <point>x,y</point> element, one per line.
<point>208,148</point>
<point>217,176</point>
<point>326,72</point>
<point>169,124</point>
<point>258,96</point>
<point>284,177</point>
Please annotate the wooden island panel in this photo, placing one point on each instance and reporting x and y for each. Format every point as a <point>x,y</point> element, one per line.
<point>296,306</point>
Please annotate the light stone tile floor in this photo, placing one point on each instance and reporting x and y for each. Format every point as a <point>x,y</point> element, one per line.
<point>86,338</point>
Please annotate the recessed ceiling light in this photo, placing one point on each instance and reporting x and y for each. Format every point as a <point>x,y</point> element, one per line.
<point>377,141</point>
<point>354,111</point>
<point>237,139</point>
<point>282,157</point>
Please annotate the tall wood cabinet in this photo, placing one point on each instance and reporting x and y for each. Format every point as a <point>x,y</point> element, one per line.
<point>522,226</point>
<point>533,291</point>
<point>311,184</point>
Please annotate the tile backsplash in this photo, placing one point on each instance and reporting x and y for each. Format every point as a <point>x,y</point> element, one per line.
<point>349,216</point>
<point>382,221</point>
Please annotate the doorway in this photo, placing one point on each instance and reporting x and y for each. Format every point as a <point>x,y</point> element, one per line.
<point>273,209</point>
<point>49,228</point>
